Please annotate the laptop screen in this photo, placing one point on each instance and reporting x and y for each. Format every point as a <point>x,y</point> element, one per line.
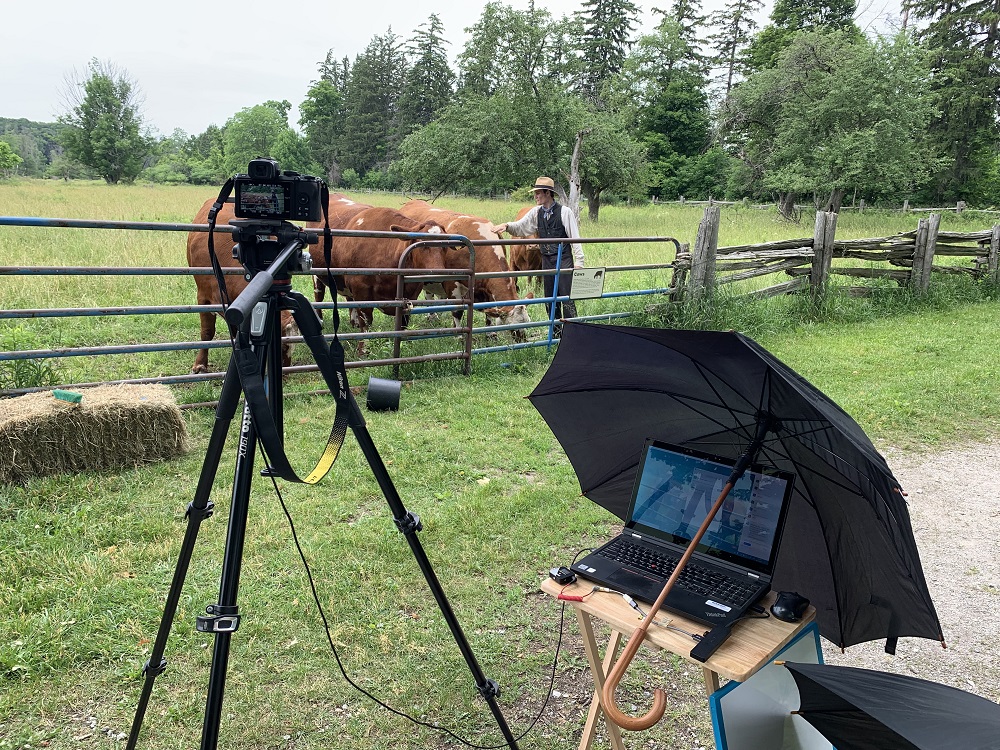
<point>676,487</point>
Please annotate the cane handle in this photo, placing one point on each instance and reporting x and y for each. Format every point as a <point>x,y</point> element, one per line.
<point>631,723</point>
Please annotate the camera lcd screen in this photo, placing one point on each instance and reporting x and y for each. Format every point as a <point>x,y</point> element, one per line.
<point>262,200</point>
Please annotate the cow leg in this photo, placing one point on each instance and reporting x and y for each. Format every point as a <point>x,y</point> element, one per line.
<point>319,292</point>
<point>362,320</point>
<point>289,329</point>
<point>207,334</point>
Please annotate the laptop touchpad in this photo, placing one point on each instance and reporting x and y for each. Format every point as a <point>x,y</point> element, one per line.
<point>631,581</point>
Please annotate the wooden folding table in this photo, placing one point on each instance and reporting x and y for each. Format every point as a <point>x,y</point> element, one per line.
<point>753,644</point>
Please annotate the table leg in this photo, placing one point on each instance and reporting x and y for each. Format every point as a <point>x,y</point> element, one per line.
<point>711,680</point>
<point>599,671</point>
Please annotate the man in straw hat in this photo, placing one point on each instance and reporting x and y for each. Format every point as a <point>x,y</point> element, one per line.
<point>549,219</point>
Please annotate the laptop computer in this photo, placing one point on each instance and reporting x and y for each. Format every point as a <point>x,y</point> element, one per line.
<point>731,568</point>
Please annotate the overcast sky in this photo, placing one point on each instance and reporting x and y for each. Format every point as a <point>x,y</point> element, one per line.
<point>197,63</point>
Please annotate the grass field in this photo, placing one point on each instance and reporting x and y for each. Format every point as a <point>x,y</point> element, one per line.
<point>87,559</point>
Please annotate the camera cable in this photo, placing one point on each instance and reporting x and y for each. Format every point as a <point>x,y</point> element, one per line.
<point>370,695</point>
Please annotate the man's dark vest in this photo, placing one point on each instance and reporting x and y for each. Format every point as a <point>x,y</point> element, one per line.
<point>551,227</point>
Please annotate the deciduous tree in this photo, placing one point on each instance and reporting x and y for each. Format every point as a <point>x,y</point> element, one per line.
<point>262,131</point>
<point>104,128</point>
<point>8,159</point>
<point>788,17</point>
<point>836,114</point>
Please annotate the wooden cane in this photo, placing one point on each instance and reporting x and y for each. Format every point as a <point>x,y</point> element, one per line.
<point>638,723</point>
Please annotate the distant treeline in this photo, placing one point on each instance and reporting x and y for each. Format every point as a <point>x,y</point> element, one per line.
<point>37,143</point>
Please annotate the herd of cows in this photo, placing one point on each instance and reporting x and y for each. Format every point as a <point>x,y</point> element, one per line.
<point>371,252</point>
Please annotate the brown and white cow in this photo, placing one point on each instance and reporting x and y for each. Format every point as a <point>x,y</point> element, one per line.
<point>208,288</point>
<point>342,210</point>
<point>376,252</point>
<point>489,259</point>
<point>526,257</point>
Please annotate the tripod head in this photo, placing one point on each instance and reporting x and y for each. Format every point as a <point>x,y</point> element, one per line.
<point>259,243</point>
<point>267,261</point>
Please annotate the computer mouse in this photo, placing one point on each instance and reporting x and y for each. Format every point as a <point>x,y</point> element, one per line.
<point>789,606</point>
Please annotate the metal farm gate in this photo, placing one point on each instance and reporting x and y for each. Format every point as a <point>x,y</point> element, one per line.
<point>398,335</point>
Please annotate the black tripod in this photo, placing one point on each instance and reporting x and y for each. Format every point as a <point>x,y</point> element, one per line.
<point>255,319</point>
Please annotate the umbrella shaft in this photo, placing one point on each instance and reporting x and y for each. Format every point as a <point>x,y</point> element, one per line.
<point>687,555</point>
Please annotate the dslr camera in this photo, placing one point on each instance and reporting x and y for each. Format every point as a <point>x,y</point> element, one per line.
<point>267,193</point>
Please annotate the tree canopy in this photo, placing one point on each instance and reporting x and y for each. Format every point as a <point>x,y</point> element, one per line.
<point>104,128</point>
<point>836,113</point>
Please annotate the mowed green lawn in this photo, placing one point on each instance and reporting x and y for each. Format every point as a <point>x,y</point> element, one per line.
<point>87,560</point>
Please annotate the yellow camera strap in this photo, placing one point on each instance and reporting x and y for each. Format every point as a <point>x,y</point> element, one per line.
<point>330,360</point>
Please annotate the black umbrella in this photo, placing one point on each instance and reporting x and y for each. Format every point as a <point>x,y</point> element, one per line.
<point>847,546</point>
<point>857,709</point>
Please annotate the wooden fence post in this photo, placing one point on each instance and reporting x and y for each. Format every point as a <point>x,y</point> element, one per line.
<point>703,255</point>
<point>923,252</point>
<point>993,259</point>
<point>906,206</point>
<point>823,237</point>
<point>678,280</point>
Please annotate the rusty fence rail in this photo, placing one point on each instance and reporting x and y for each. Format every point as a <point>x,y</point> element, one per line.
<point>398,335</point>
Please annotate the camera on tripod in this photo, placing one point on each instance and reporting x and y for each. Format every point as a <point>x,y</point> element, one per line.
<point>267,193</point>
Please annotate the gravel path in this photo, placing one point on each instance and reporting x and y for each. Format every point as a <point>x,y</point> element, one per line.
<point>956,522</point>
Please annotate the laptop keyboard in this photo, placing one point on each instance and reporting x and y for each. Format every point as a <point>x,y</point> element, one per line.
<point>694,578</point>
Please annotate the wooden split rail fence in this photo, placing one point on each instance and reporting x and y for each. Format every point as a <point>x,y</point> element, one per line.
<point>809,261</point>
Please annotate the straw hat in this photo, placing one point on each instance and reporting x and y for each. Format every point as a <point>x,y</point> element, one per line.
<point>545,183</point>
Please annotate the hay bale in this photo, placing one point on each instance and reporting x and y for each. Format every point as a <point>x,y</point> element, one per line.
<point>113,427</point>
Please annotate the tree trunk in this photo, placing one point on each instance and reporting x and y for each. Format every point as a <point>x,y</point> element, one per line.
<point>574,174</point>
<point>333,174</point>
<point>593,203</point>
<point>835,201</point>
<point>786,205</point>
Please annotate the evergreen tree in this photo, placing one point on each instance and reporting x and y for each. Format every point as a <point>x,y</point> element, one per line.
<point>605,42</point>
<point>322,116</point>
<point>734,25</point>
<point>336,72</point>
<point>371,126</point>
<point>664,79</point>
<point>104,128</point>
<point>429,83</point>
<point>789,17</point>
<point>962,38</point>
<point>690,21</point>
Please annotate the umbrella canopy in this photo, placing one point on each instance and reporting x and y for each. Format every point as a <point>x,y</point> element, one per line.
<point>858,709</point>
<point>848,545</point>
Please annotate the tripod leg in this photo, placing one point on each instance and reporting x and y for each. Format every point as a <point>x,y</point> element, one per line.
<point>409,524</point>
<point>223,618</point>
<point>198,510</point>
